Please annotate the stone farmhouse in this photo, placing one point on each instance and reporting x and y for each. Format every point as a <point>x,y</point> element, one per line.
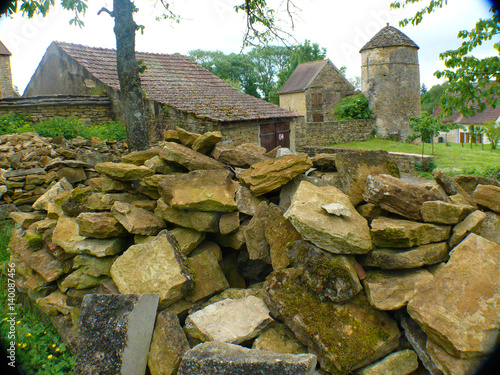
<point>314,89</point>
<point>6,88</point>
<point>178,92</point>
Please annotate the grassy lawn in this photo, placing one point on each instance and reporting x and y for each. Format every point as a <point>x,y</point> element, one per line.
<point>452,159</point>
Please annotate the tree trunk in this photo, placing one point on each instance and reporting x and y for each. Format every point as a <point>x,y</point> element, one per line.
<point>131,95</point>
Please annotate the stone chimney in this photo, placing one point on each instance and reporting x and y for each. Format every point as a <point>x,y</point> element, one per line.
<point>6,89</point>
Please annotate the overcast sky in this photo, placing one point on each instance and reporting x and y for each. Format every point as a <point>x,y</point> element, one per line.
<point>341,26</point>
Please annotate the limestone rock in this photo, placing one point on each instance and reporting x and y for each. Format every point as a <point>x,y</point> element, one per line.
<point>340,235</point>
<point>168,345</point>
<point>337,209</point>
<point>156,267</point>
<point>245,200</point>
<point>139,157</point>
<point>469,183</point>
<point>234,240</point>
<point>107,184</point>
<point>79,280</point>
<point>104,202</point>
<point>488,196</point>
<point>187,239</point>
<point>231,321</point>
<point>391,290</point>
<point>403,362</point>
<point>137,220</point>
<point>200,221</point>
<point>42,261</point>
<point>471,224</point>
<point>450,365</point>
<point>235,359</point>
<point>202,190</point>
<point>333,277</point>
<point>46,200</point>
<point>99,225</point>
<point>354,166</point>
<point>424,255</point>
<point>324,161</point>
<point>161,166</point>
<point>450,186</point>
<point>397,196</point>
<point>255,235</point>
<point>444,213</point>
<point>344,337</point>
<point>192,160</point>
<point>270,175</point>
<point>93,266</point>
<point>387,232</point>
<point>490,228</point>
<point>460,309</point>
<point>370,211</point>
<point>229,222</point>
<point>205,143</point>
<point>208,276</point>
<point>25,219</point>
<point>67,235</point>
<point>187,138</point>
<point>54,303</point>
<point>115,333</point>
<point>123,171</point>
<point>279,339</point>
<point>279,232</point>
<point>237,156</point>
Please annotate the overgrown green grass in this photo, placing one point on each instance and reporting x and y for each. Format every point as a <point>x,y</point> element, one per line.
<point>39,350</point>
<point>68,128</point>
<point>452,158</point>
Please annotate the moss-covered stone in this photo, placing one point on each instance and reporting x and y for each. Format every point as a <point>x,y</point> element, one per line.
<point>344,337</point>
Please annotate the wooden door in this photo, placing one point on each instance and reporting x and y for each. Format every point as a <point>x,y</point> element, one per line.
<point>273,135</point>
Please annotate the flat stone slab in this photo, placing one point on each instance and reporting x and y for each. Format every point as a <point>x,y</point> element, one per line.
<point>488,196</point>
<point>387,232</point>
<point>345,336</point>
<point>336,234</point>
<point>200,221</point>
<point>391,290</point>
<point>137,220</point>
<point>192,160</point>
<point>219,358</point>
<point>123,171</point>
<point>232,321</point>
<point>460,309</point>
<point>444,213</point>
<point>412,257</point>
<point>403,362</point>
<point>116,332</point>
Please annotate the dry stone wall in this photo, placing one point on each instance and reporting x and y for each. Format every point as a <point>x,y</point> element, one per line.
<point>309,270</point>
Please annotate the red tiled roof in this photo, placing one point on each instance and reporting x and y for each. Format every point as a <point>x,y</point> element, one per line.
<point>177,81</point>
<point>302,76</point>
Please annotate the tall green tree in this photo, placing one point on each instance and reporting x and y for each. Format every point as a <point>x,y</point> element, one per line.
<point>474,82</point>
<point>431,99</point>
<point>261,27</point>
<point>429,127</point>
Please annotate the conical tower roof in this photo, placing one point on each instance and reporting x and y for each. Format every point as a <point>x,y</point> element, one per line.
<point>389,36</point>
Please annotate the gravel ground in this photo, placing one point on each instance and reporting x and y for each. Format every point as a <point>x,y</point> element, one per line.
<point>413,178</point>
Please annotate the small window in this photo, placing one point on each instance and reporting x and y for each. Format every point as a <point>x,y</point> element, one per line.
<point>317,118</point>
<point>317,100</point>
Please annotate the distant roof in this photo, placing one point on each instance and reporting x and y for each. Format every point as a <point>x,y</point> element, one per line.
<point>389,36</point>
<point>178,81</point>
<point>4,50</point>
<point>489,114</point>
<point>304,74</point>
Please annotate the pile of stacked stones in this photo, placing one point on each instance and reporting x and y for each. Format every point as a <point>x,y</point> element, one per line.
<point>197,257</point>
<point>30,163</point>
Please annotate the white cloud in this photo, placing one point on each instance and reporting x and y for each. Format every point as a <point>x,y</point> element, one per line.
<point>343,27</point>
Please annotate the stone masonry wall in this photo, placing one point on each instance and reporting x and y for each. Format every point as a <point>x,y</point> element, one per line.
<point>6,89</point>
<point>91,109</point>
<point>323,134</point>
<point>405,162</point>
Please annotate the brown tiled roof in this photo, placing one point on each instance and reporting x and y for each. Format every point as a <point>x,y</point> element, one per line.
<point>177,81</point>
<point>302,77</point>
<point>4,50</point>
<point>389,36</point>
<point>489,114</point>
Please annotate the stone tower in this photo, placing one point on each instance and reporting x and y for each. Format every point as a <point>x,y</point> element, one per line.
<point>6,89</point>
<point>390,79</point>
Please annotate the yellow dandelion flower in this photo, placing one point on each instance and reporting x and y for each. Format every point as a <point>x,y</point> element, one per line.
<point>49,356</point>
<point>53,345</point>
<point>24,345</point>
<point>58,350</point>
<point>18,322</point>
<point>28,335</point>
<point>18,344</point>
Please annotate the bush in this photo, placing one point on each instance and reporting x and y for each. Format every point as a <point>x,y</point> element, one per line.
<point>353,108</point>
<point>425,166</point>
<point>68,128</point>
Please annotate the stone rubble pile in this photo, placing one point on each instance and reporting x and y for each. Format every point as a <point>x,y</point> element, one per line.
<point>262,263</point>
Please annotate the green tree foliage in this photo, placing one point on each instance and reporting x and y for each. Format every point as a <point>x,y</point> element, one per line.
<point>431,98</point>
<point>492,131</point>
<point>301,54</point>
<point>353,108</point>
<point>262,71</point>
<point>429,127</point>
<point>474,82</point>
